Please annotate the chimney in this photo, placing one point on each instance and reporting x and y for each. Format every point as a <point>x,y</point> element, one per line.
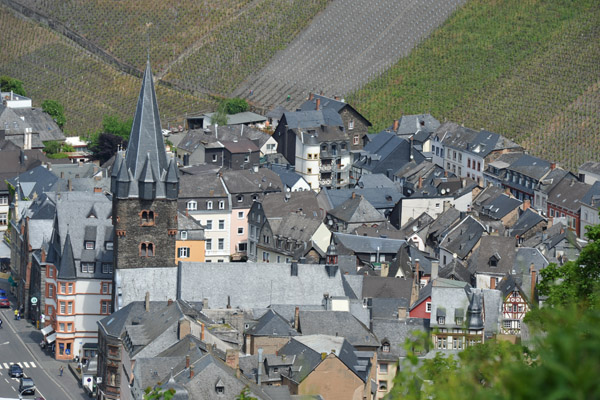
<point>492,283</point>
<point>259,370</point>
<point>396,125</point>
<point>507,191</point>
<point>191,371</point>
<point>232,358</point>
<point>318,104</point>
<point>147,302</point>
<point>553,166</point>
<point>311,96</point>
<point>294,268</point>
<point>526,204</point>
<point>228,302</point>
<point>70,185</point>
<point>402,313</point>
<point>296,317</point>
<point>435,265</point>
<point>62,174</point>
<point>336,97</point>
<point>445,174</point>
<point>420,182</point>
<point>463,183</point>
<point>97,190</point>
<point>414,293</point>
<point>353,195</point>
<point>205,303</point>
<point>187,361</point>
<point>169,302</point>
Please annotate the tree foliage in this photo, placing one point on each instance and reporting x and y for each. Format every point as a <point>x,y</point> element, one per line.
<point>114,125</point>
<point>8,84</point>
<point>245,395</point>
<point>105,145</point>
<point>575,281</point>
<point>235,105</point>
<point>55,110</point>
<point>57,149</point>
<point>158,394</point>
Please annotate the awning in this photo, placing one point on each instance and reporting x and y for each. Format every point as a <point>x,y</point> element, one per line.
<point>50,339</point>
<point>46,330</point>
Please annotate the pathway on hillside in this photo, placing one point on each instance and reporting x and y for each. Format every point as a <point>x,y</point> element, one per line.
<point>346,46</point>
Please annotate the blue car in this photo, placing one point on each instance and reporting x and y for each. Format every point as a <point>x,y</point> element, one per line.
<point>2,292</point>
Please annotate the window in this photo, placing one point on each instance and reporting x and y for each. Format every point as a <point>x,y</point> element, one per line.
<point>441,320</point>
<point>3,200</point>
<point>468,163</point>
<point>209,224</point>
<point>350,124</point>
<point>215,158</point>
<point>65,307</point>
<point>147,217</point>
<point>209,244</point>
<point>70,288</point>
<point>221,244</point>
<point>458,321</point>
<point>506,324</point>
<point>3,219</point>
<point>310,156</point>
<point>50,291</point>
<point>209,205</point>
<point>184,252</point>
<point>62,288</point>
<point>383,368</point>
<point>105,288</point>
<point>240,231</point>
<point>61,327</point>
<point>89,245</point>
<point>355,140</point>
<point>265,256</point>
<point>221,205</point>
<point>88,267</point>
<point>108,245</point>
<point>221,224</point>
<point>107,268</point>
<point>385,347</point>
<point>146,249</point>
<point>242,247</point>
<point>383,386</point>
<point>240,215</point>
<point>428,307</point>
<point>309,170</point>
<point>246,158</point>
<point>478,166</point>
<point>183,235</point>
<point>192,205</point>
<point>105,307</point>
<point>240,198</point>
<point>460,157</point>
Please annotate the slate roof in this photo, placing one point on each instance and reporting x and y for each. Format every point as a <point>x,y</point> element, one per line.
<point>528,220</point>
<point>272,324</point>
<point>296,227</point>
<point>365,244</point>
<point>384,230</point>
<point>386,153</point>
<point>531,166</point>
<point>337,323</point>
<point>456,270</point>
<point>286,173</point>
<point>395,332</point>
<point>410,124</point>
<point>210,184</point>
<point>463,237</point>
<point>248,181</point>
<point>114,324</point>
<point>241,145</point>
<point>329,103</point>
<point>499,206</point>
<point>527,256</point>
<point>34,182</point>
<point>387,308</point>
<point>357,210</point>
<point>592,197</point>
<point>503,248</point>
<point>256,285</point>
<point>39,122</point>
<point>383,287</point>
<point>568,194</point>
<point>278,205</point>
<point>276,112</point>
<point>246,117</point>
<point>492,310</point>
<point>480,143</point>
<point>443,222</point>
<point>370,181</point>
<point>311,119</point>
<point>382,198</point>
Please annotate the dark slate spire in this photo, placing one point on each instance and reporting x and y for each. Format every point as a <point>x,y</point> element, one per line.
<point>67,268</point>
<point>475,310</point>
<point>331,263</point>
<point>122,181</point>
<point>147,181</point>
<point>146,136</point>
<point>172,180</point>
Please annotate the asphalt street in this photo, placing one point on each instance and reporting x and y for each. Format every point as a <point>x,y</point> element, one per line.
<point>19,343</point>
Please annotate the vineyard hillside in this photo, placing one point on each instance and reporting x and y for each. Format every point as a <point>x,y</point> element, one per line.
<point>527,69</point>
<point>53,67</point>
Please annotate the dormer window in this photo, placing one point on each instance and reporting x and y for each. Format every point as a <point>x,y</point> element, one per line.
<point>494,260</point>
<point>184,235</point>
<point>209,205</point>
<point>108,245</point>
<point>221,205</point>
<point>240,198</point>
<point>220,387</point>
<point>441,320</point>
<point>192,205</point>
<point>147,217</point>
<point>385,347</point>
<point>90,245</point>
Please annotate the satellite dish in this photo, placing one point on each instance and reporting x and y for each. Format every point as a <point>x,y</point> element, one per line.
<point>455,256</point>
<point>414,228</point>
<point>443,191</point>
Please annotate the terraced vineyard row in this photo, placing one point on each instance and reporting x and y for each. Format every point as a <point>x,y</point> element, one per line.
<point>52,67</point>
<point>348,45</point>
<point>525,69</point>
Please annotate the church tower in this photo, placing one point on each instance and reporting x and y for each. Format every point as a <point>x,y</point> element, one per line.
<point>145,186</point>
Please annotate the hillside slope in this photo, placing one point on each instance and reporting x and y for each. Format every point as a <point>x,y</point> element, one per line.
<point>346,46</point>
<point>53,67</point>
<point>525,69</point>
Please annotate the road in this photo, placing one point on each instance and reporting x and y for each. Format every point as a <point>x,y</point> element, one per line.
<point>19,343</point>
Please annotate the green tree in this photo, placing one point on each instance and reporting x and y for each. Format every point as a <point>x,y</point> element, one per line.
<point>114,125</point>
<point>158,394</point>
<point>576,281</point>
<point>52,147</point>
<point>245,395</point>
<point>8,84</point>
<point>55,110</point>
<point>235,105</point>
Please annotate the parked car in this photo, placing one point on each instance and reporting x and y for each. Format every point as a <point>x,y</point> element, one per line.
<point>4,303</point>
<point>2,292</point>
<point>15,371</point>
<point>26,386</point>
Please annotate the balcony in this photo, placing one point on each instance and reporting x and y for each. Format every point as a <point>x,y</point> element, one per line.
<point>326,167</point>
<point>324,182</point>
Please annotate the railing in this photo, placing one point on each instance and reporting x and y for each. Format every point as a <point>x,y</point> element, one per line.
<point>324,182</point>
<point>325,167</point>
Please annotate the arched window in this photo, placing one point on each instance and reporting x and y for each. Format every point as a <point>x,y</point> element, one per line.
<point>209,205</point>
<point>221,205</point>
<point>146,249</point>
<point>192,205</point>
<point>147,217</point>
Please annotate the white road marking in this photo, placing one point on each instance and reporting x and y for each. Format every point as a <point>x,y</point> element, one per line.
<point>25,364</point>
<point>32,364</point>
<point>6,380</point>
<point>20,365</point>
<point>5,365</point>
